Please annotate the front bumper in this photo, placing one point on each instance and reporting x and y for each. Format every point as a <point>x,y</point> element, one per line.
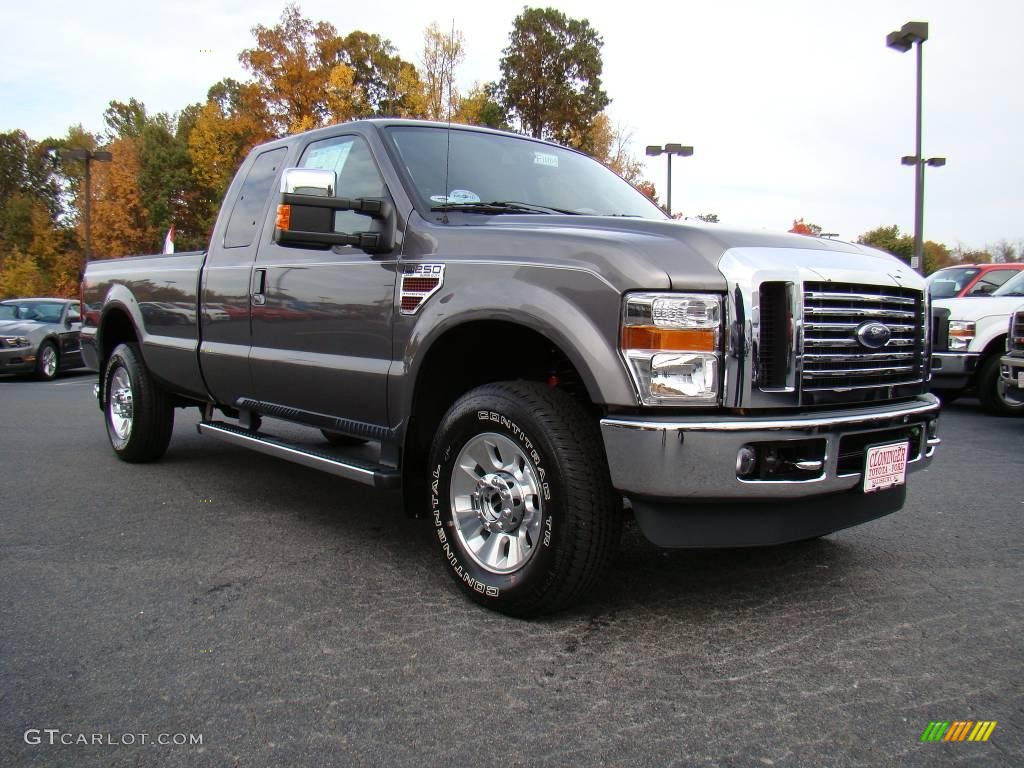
<point>1010,369</point>
<point>687,469</point>
<point>18,360</point>
<point>953,370</point>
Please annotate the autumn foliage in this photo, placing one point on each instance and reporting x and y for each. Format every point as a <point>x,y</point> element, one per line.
<point>173,169</point>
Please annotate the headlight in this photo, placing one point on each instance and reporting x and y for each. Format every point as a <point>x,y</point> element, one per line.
<point>671,343</point>
<point>15,341</point>
<point>961,334</point>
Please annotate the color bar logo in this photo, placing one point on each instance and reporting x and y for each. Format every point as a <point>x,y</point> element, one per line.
<point>958,730</point>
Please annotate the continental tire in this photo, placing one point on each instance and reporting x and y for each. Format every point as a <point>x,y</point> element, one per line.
<point>138,414</point>
<point>521,503</point>
<point>992,393</point>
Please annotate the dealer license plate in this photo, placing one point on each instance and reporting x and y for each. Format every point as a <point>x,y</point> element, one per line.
<point>885,466</point>
<point>1020,379</point>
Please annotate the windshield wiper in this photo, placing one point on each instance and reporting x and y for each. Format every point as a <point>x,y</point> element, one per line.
<point>501,206</point>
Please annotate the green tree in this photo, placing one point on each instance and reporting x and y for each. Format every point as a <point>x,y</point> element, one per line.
<point>551,75</point>
<point>889,239</point>
<point>480,107</point>
<point>391,86</point>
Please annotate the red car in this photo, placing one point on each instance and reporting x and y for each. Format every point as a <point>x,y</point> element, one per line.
<point>970,279</point>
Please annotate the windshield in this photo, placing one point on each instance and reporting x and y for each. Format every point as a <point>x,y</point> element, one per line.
<point>949,282</point>
<point>521,175</point>
<point>38,311</point>
<point>1013,287</point>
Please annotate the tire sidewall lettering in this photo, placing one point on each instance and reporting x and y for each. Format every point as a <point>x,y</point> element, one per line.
<point>463,568</point>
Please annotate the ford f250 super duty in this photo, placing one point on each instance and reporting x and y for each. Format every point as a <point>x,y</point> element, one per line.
<point>524,341</point>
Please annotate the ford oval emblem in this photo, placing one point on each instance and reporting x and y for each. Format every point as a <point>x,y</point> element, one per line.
<point>873,335</point>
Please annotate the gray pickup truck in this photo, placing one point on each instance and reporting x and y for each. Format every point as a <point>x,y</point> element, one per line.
<point>520,341</point>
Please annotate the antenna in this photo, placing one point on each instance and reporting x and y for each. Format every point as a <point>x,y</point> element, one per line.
<point>448,148</point>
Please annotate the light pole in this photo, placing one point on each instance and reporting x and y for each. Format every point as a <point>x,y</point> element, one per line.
<point>910,34</point>
<point>88,156</point>
<point>669,149</point>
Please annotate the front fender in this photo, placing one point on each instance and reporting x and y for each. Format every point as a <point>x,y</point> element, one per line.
<point>576,309</point>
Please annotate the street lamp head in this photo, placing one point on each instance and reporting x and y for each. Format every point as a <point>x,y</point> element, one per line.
<point>908,160</point>
<point>912,32</point>
<point>653,150</point>
<point>936,162</point>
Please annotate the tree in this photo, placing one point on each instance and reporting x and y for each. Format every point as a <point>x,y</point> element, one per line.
<point>710,218</point>
<point>609,144</point>
<point>442,53</point>
<point>1005,252</point>
<point>120,221</point>
<point>124,120</point>
<point>480,107</point>
<point>804,228</point>
<point>551,75</point>
<point>290,65</point>
<point>889,239</point>
<point>390,85</point>
<point>647,189</point>
<point>21,276</point>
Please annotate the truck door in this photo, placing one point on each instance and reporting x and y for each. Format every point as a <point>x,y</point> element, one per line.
<point>321,332</point>
<point>224,299</point>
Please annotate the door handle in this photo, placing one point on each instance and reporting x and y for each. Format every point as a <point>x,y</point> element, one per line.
<point>259,284</point>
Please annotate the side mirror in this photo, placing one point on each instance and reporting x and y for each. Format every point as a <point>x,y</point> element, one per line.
<point>982,289</point>
<point>306,213</point>
<point>72,318</point>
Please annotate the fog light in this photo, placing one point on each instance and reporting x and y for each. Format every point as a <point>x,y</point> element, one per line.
<point>746,461</point>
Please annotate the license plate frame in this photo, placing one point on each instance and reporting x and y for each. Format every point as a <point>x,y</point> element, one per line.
<point>890,471</point>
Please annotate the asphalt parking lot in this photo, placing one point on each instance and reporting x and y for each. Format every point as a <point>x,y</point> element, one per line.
<point>293,619</point>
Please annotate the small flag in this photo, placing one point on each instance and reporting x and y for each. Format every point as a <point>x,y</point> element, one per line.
<point>169,240</point>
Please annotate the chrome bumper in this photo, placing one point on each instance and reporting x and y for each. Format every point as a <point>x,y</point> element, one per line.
<point>695,458</point>
<point>1010,366</point>
<point>954,363</point>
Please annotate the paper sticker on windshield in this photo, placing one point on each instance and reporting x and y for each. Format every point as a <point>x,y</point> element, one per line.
<point>543,158</point>
<point>456,196</point>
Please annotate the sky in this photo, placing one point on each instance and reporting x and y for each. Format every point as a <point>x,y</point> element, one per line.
<point>794,109</point>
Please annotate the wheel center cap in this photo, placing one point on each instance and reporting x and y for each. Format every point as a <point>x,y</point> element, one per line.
<point>498,502</point>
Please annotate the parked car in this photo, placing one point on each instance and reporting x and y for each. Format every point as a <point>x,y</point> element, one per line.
<point>40,336</point>
<point>970,280</point>
<point>1012,364</point>
<point>526,339</point>
<point>969,338</point>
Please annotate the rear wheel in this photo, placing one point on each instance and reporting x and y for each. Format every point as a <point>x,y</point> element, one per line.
<point>523,507</point>
<point>47,361</point>
<point>992,391</point>
<point>139,414</point>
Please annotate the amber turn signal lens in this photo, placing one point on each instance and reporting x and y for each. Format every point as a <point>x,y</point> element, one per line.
<point>284,217</point>
<point>682,339</point>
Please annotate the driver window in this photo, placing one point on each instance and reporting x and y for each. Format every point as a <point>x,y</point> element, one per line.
<point>357,174</point>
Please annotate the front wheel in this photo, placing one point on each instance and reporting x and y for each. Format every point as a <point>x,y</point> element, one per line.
<point>992,392</point>
<point>522,504</point>
<point>139,415</point>
<point>47,361</point>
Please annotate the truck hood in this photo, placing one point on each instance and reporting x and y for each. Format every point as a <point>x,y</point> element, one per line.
<point>975,308</point>
<point>671,254</point>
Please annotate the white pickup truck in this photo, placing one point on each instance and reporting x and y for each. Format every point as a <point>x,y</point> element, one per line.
<point>969,338</point>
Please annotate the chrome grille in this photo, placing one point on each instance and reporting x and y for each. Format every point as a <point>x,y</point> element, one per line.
<point>1017,332</point>
<point>833,357</point>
